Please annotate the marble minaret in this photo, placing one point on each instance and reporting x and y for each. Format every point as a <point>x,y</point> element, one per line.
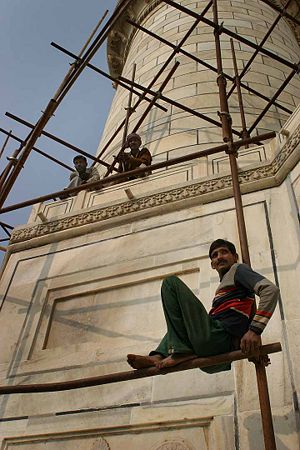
<point>82,289</point>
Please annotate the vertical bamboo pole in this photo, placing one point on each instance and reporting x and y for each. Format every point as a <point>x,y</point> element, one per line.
<point>227,137</point>
<point>263,41</point>
<point>265,406</point>
<point>160,72</point>
<point>262,384</point>
<point>9,166</point>
<point>129,109</point>
<point>245,133</point>
<point>146,112</point>
<point>5,143</point>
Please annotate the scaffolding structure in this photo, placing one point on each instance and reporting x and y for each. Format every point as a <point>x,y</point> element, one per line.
<point>245,137</point>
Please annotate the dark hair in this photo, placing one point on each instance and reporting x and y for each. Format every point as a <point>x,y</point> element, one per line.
<point>133,135</point>
<point>79,157</point>
<point>221,243</point>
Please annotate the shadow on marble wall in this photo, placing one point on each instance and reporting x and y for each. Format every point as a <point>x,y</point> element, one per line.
<point>285,431</point>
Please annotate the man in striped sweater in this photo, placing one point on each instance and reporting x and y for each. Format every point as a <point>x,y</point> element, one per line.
<point>230,324</point>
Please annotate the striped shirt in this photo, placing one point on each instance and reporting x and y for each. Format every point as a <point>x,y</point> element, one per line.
<point>235,296</point>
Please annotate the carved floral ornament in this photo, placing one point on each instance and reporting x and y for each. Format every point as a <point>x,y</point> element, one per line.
<point>208,186</point>
<point>174,445</point>
<point>100,444</point>
<point>120,38</point>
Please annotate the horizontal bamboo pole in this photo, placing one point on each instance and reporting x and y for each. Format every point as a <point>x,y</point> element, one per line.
<point>140,171</point>
<point>105,74</point>
<point>3,224</point>
<point>232,34</point>
<point>60,163</point>
<point>206,64</point>
<point>236,355</point>
<point>57,139</point>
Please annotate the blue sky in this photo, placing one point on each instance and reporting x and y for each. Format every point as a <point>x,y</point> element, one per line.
<point>30,74</point>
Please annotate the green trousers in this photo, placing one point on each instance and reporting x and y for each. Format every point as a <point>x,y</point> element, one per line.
<point>189,328</point>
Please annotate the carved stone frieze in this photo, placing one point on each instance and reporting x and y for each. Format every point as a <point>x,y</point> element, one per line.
<point>100,444</point>
<point>174,445</point>
<point>119,39</point>
<point>198,189</point>
<point>294,10</point>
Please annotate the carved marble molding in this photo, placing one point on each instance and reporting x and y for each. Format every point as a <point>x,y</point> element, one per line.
<point>174,445</point>
<point>120,38</point>
<point>293,10</point>
<point>100,444</point>
<point>207,190</point>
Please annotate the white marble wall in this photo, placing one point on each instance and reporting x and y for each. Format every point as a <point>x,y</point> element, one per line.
<point>75,307</point>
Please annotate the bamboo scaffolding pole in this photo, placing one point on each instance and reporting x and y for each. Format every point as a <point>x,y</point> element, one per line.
<point>3,249</point>
<point>3,224</point>
<point>12,161</point>
<point>145,113</point>
<point>12,171</point>
<point>105,74</point>
<point>123,176</point>
<point>205,64</point>
<point>56,139</point>
<point>26,151</point>
<point>4,228</point>
<point>159,73</point>
<point>275,96</point>
<point>9,166</point>
<point>129,109</point>
<point>91,51</point>
<point>94,31</point>
<point>7,232</point>
<point>76,65</point>
<point>124,85</point>
<point>59,95</point>
<point>135,374</point>
<point>233,35</point>
<point>263,41</point>
<point>239,210</point>
<point>41,152</point>
<point>221,81</point>
<point>168,100</point>
<point>5,143</point>
<point>245,133</point>
<point>265,407</point>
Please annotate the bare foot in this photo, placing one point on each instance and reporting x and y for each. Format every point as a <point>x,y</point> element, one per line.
<point>141,362</point>
<point>174,359</point>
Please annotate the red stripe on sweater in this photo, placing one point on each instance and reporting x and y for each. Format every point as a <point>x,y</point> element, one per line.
<point>244,307</point>
<point>263,313</point>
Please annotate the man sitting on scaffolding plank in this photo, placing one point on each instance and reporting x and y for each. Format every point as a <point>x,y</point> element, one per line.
<point>192,332</point>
